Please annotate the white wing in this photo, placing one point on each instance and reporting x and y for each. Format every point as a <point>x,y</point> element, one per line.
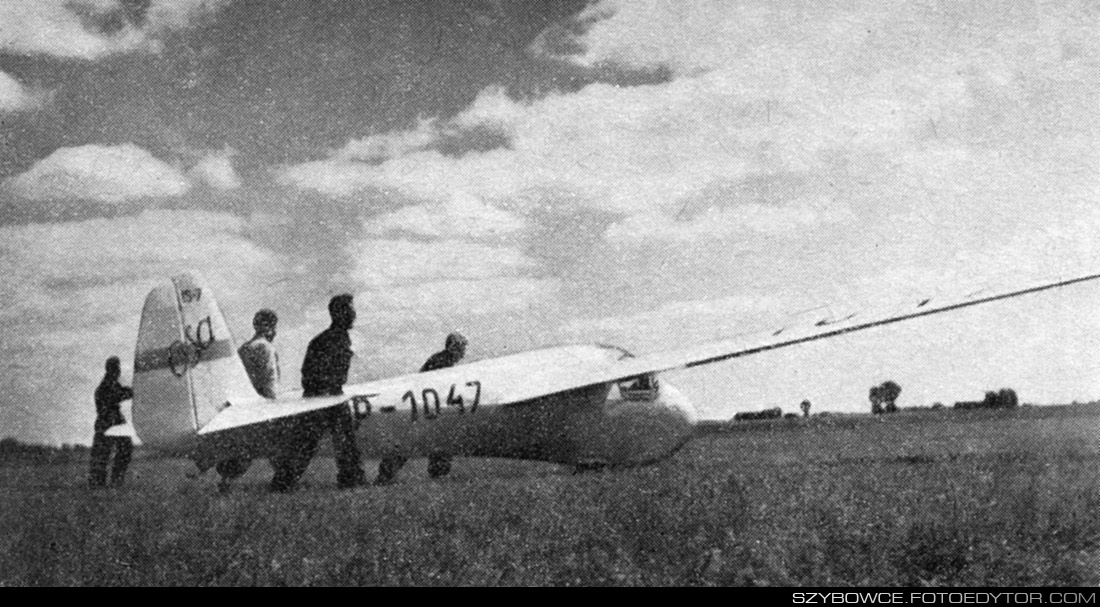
<point>825,327</point>
<point>523,377</point>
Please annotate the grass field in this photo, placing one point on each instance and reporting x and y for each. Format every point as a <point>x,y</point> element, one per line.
<point>917,498</point>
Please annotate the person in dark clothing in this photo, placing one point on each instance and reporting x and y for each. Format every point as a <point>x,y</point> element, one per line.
<point>108,396</point>
<point>324,372</point>
<point>439,464</point>
<point>453,351</point>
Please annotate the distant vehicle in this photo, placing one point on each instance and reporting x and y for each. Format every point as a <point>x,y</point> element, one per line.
<point>584,405</point>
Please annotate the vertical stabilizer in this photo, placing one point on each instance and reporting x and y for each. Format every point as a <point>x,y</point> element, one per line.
<point>186,367</point>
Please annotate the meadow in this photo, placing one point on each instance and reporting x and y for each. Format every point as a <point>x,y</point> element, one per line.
<point>930,498</point>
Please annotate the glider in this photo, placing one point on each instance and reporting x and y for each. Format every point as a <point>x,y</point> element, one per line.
<point>582,405</point>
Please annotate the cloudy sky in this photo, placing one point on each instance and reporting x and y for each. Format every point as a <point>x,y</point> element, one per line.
<point>653,173</point>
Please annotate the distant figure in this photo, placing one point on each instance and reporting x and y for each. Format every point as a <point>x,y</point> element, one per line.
<point>324,373</point>
<point>805,408</point>
<point>439,464</point>
<point>108,396</point>
<point>258,354</point>
<point>454,348</point>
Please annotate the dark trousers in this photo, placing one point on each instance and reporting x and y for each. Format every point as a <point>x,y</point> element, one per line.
<point>298,445</point>
<point>101,452</point>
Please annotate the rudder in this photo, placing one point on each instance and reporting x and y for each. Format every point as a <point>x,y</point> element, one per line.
<point>186,367</point>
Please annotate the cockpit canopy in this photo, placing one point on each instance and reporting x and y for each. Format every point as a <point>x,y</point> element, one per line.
<point>643,387</point>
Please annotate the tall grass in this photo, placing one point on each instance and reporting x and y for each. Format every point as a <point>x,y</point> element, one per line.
<point>811,505</point>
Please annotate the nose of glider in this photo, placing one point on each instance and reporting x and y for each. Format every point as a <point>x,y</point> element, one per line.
<point>660,427</point>
<point>681,415</point>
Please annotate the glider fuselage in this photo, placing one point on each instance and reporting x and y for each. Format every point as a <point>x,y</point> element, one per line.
<point>463,411</point>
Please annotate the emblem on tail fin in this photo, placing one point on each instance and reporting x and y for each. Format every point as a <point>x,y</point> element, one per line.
<point>184,356</point>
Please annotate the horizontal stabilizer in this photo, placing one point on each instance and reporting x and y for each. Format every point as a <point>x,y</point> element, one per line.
<point>121,431</point>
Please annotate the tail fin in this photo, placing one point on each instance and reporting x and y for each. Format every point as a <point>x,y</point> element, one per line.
<point>186,367</point>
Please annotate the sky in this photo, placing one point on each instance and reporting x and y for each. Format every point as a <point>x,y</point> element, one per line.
<point>649,173</point>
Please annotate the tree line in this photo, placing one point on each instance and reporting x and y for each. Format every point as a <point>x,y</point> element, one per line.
<point>12,449</point>
<point>1005,398</point>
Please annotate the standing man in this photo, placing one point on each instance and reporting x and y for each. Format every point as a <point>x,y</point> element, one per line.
<point>260,359</point>
<point>108,396</point>
<point>261,362</point>
<point>324,372</point>
<point>439,464</point>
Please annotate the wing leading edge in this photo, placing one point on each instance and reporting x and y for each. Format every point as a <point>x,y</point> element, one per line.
<point>524,377</point>
<point>706,354</point>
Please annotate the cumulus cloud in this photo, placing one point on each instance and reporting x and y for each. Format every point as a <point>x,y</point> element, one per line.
<point>90,29</point>
<point>73,293</point>
<point>752,92</point>
<point>462,216</point>
<point>612,148</point>
<point>377,148</point>
<point>682,322</point>
<point>215,169</point>
<point>651,33</point>
<point>104,253</point>
<point>386,263</point>
<point>416,291</point>
<point>635,149</point>
<point>116,175</point>
<point>793,220</point>
<point>14,97</point>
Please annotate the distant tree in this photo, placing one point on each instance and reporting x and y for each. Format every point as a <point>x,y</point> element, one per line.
<point>876,399</point>
<point>1008,399</point>
<point>884,397</point>
<point>12,448</point>
<point>991,401</point>
<point>890,391</point>
<point>805,408</point>
<point>936,406</point>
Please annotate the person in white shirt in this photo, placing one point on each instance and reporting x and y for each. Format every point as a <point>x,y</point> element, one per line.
<point>258,354</point>
<point>261,362</point>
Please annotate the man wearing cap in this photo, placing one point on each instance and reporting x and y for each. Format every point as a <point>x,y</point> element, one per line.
<point>324,373</point>
<point>439,464</point>
<point>108,396</point>
<point>258,354</point>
